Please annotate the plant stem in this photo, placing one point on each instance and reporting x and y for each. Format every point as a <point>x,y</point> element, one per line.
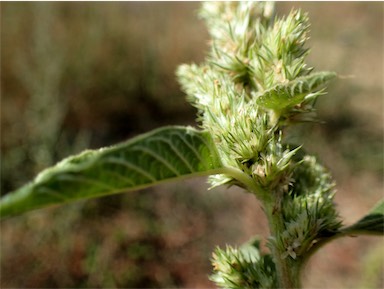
<point>249,183</point>
<point>288,270</point>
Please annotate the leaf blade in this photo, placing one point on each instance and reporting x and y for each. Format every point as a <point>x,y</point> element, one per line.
<point>161,155</point>
<point>294,92</point>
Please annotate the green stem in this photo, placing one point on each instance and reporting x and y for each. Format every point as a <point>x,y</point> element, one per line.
<point>247,181</point>
<point>288,270</point>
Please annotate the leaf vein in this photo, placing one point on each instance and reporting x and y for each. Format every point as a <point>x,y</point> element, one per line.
<point>177,152</point>
<point>191,147</point>
<point>82,179</point>
<point>131,166</point>
<point>156,156</point>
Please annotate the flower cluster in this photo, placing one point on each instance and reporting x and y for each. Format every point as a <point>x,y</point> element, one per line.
<point>308,210</point>
<point>243,268</point>
<point>254,84</point>
<point>254,81</point>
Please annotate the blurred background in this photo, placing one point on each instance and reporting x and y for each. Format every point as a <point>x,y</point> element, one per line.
<point>86,75</point>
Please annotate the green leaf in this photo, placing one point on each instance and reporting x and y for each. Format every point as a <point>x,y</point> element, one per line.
<point>373,223</point>
<point>164,154</point>
<point>289,94</point>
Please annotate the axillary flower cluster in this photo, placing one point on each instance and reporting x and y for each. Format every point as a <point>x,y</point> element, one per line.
<point>252,86</point>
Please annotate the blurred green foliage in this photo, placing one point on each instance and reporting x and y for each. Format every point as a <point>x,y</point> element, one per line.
<point>78,75</point>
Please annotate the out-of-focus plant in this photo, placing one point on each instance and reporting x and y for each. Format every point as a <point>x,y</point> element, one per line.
<point>38,142</point>
<point>254,84</point>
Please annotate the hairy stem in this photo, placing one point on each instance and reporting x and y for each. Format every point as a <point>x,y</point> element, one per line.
<point>288,270</point>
